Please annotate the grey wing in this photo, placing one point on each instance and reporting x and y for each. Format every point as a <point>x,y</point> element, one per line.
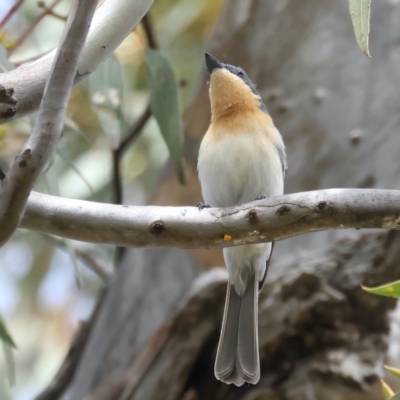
<point>282,156</point>
<point>261,283</point>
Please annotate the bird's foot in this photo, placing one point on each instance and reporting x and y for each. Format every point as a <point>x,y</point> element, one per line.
<point>262,197</point>
<point>201,206</point>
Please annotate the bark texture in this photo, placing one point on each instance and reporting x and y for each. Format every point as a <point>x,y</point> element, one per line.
<point>321,337</point>
<point>267,220</point>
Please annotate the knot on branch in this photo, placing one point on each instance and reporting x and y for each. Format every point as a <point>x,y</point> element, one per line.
<point>26,154</point>
<point>322,206</point>
<point>252,216</point>
<point>7,101</point>
<point>157,228</point>
<point>283,210</point>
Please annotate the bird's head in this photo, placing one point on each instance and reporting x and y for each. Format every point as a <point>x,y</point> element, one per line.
<point>231,90</point>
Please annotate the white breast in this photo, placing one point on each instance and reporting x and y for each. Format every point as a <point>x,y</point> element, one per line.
<point>236,169</point>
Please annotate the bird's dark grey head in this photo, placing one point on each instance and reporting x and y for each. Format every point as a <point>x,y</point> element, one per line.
<point>212,63</point>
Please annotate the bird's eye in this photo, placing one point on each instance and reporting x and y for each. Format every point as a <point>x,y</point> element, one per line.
<point>241,74</point>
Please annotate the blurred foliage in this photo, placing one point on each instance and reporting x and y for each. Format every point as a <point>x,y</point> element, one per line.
<point>388,290</point>
<point>165,105</point>
<point>4,335</point>
<point>39,298</point>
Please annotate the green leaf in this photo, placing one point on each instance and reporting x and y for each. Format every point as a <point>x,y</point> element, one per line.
<point>5,336</point>
<point>393,371</point>
<point>395,397</point>
<point>11,374</point>
<point>389,290</point>
<point>360,11</point>
<point>165,105</point>
<point>387,391</point>
<point>5,64</point>
<point>106,96</point>
<point>71,164</point>
<point>53,189</point>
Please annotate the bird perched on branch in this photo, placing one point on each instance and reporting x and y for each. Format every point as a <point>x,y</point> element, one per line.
<point>242,158</point>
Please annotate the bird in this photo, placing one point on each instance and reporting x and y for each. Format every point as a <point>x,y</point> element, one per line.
<point>242,158</point>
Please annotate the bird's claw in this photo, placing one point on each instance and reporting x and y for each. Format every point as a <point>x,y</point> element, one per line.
<point>201,206</point>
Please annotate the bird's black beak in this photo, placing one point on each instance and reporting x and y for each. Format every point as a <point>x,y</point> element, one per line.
<point>212,63</point>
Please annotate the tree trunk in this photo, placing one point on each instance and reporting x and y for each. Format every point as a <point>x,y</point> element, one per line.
<point>321,336</point>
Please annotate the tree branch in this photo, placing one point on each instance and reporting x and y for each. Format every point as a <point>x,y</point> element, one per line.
<point>267,220</point>
<point>27,166</point>
<point>112,22</point>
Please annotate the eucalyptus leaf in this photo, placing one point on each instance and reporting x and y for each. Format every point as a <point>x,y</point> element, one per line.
<point>360,11</point>
<point>386,390</point>
<point>393,371</point>
<point>8,344</point>
<point>53,189</point>
<point>9,357</point>
<point>164,104</point>
<point>5,63</point>
<point>5,336</point>
<point>106,96</point>
<point>71,164</point>
<point>389,290</point>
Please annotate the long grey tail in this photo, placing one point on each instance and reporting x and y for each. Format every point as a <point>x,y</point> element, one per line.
<point>237,356</point>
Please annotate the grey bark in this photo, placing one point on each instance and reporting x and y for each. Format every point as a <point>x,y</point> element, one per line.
<point>323,94</point>
<point>268,220</point>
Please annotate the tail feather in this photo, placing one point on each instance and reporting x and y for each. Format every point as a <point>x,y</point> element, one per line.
<point>237,356</point>
<point>226,354</point>
<point>248,360</point>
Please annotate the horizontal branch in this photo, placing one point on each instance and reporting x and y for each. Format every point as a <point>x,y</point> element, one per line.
<point>266,220</point>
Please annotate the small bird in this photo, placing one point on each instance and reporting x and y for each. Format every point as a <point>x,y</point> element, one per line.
<point>241,159</point>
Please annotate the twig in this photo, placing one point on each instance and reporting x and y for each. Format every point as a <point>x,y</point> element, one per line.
<point>67,369</point>
<point>12,11</point>
<point>117,154</point>
<point>150,35</point>
<point>134,131</point>
<point>27,166</point>
<point>91,261</point>
<point>30,28</point>
<point>42,5</point>
<point>268,220</point>
<point>136,128</point>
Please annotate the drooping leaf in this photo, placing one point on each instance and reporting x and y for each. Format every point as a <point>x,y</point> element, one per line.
<point>53,189</point>
<point>5,63</point>
<point>387,391</point>
<point>393,371</point>
<point>73,167</point>
<point>360,11</point>
<point>106,96</point>
<point>8,355</point>
<point>164,104</point>
<point>389,290</point>
<point>8,344</point>
<point>5,336</point>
